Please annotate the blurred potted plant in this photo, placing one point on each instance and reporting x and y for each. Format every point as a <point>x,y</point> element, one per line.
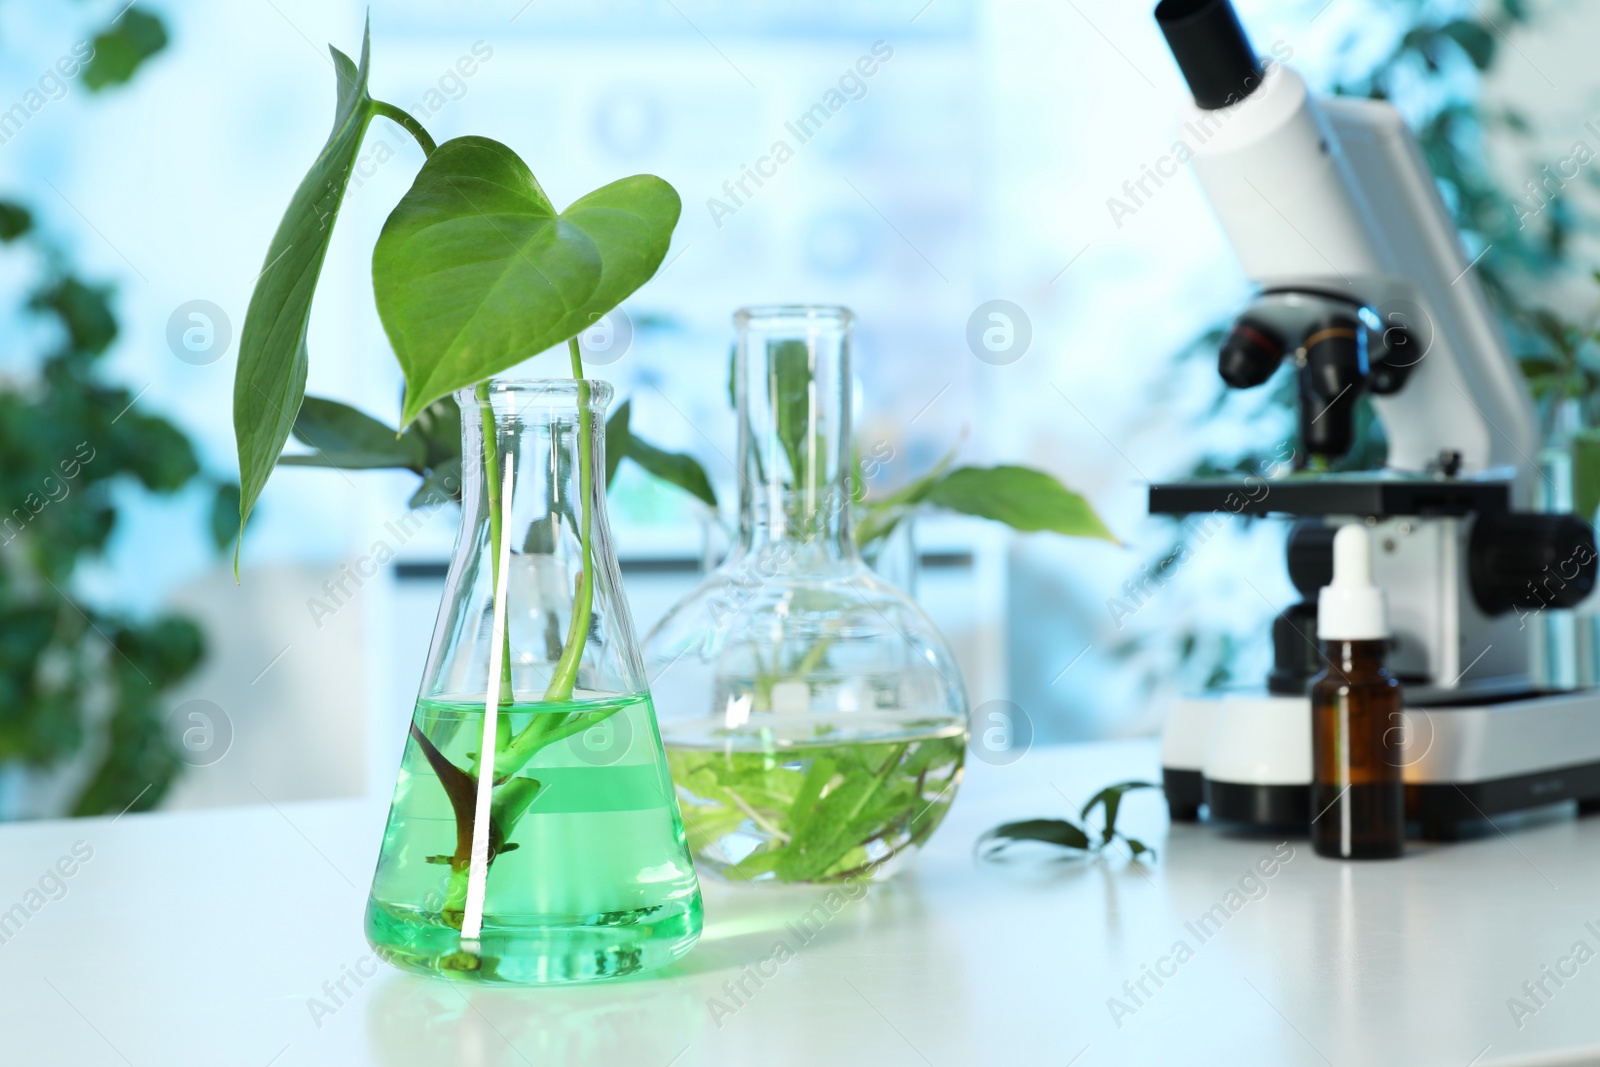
<point>79,682</point>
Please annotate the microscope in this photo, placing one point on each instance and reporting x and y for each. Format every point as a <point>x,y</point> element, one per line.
<point>1363,287</point>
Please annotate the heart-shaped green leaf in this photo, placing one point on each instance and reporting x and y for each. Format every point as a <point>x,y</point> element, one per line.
<point>475,271</point>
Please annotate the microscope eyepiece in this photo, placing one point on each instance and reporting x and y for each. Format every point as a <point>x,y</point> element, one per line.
<point>1249,354</point>
<point>1328,337</point>
<point>1211,49</point>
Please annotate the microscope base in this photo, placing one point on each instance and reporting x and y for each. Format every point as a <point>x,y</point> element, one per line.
<point>1465,761</point>
<point>1185,790</point>
<point>1440,808</point>
<point>1250,804</point>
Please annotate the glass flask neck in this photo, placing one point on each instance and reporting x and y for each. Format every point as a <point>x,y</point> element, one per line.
<point>792,387</point>
<point>537,426</point>
<point>533,499</point>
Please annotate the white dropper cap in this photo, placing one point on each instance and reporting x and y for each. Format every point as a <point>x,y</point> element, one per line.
<point>1351,608</point>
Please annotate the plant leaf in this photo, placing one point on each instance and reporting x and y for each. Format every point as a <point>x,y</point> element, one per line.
<point>616,439</point>
<point>1586,472</point>
<point>874,521</point>
<point>442,483</point>
<point>459,786</point>
<point>345,437</point>
<point>1138,848</point>
<point>789,392</point>
<point>1048,831</point>
<point>1021,497</point>
<point>270,378</point>
<point>15,220</point>
<point>159,455</point>
<point>1474,40</point>
<point>84,310</point>
<point>1111,798</point>
<point>879,518</point>
<point>802,813</point>
<point>439,427</point>
<point>225,515</point>
<point>343,461</point>
<point>754,865</point>
<point>917,491</point>
<point>541,538</point>
<point>674,468</point>
<point>511,799</point>
<point>120,51</point>
<point>475,271</point>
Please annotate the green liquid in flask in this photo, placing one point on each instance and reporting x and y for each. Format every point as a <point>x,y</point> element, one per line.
<point>591,879</point>
<point>815,811</point>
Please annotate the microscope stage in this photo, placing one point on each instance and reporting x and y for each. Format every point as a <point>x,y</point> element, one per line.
<point>1332,494</point>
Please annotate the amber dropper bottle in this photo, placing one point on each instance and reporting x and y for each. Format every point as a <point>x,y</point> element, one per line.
<point>1358,805</point>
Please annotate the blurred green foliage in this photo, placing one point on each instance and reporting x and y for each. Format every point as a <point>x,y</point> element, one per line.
<point>75,676</point>
<point>69,669</point>
<point>122,48</point>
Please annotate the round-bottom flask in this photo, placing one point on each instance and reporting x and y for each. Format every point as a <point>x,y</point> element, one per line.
<point>814,718</point>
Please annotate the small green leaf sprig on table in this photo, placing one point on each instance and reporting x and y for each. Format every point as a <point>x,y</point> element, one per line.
<point>1067,834</point>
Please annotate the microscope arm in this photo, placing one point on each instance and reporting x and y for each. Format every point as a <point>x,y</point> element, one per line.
<point>1333,198</point>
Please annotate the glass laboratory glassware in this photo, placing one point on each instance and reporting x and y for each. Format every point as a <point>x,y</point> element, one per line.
<point>895,558</point>
<point>561,856</point>
<point>815,720</point>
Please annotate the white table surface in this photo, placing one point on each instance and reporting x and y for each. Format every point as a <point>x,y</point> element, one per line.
<point>198,938</point>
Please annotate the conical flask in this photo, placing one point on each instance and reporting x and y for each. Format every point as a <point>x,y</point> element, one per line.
<point>816,721</point>
<point>534,835</point>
